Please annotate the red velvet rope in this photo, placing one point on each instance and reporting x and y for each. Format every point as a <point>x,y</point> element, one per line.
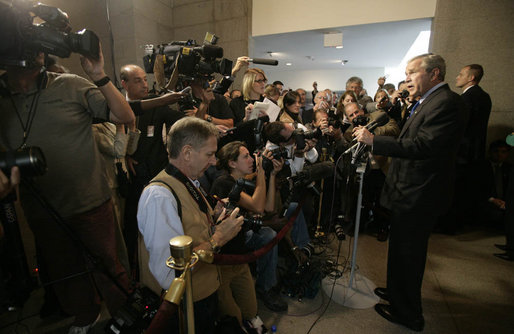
<point>222,259</point>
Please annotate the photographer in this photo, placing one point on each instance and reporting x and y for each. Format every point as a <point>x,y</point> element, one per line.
<point>375,175</point>
<point>208,105</point>
<point>55,111</point>
<point>281,135</point>
<point>174,204</point>
<point>237,163</point>
<point>150,156</point>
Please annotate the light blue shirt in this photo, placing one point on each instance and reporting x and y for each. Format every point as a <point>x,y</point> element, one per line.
<point>158,222</point>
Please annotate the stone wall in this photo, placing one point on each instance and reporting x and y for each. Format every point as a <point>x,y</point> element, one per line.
<point>474,31</point>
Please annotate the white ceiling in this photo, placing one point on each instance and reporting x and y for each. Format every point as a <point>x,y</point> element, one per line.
<point>364,46</point>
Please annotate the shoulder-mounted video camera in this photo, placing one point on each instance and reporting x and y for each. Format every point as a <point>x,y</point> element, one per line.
<point>190,59</point>
<point>22,39</point>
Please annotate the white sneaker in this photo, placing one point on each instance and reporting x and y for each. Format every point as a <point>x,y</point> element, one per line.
<point>83,329</point>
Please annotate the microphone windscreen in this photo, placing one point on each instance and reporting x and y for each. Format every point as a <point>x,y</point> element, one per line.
<point>381,119</point>
<point>319,170</point>
<point>264,61</point>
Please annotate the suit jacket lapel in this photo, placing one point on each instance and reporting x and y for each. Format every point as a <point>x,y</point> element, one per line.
<point>420,108</point>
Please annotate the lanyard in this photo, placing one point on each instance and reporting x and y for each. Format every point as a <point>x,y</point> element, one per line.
<point>198,194</point>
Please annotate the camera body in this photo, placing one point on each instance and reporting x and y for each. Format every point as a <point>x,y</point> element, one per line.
<point>360,121</point>
<point>334,120</point>
<point>278,153</point>
<point>22,40</point>
<point>249,222</point>
<point>300,136</point>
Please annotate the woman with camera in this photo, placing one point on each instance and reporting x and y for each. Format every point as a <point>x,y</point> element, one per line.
<point>237,293</point>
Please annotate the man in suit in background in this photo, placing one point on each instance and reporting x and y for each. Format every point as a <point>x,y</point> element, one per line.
<point>471,154</point>
<point>419,183</point>
<point>479,104</point>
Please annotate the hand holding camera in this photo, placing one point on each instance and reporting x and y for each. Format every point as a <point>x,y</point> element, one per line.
<point>227,226</point>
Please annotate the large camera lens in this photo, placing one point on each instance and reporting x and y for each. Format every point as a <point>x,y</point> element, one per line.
<point>84,42</point>
<point>31,161</point>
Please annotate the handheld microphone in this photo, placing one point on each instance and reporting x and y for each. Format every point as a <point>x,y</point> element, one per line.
<point>381,120</point>
<point>263,61</point>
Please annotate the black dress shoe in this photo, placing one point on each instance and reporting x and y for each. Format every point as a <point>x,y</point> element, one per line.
<point>385,311</point>
<point>505,256</point>
<point>501,247</point>
<point>382,293</point>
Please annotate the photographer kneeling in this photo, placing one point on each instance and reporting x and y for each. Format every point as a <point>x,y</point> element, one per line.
<point>285,138</point>
<point>237,295</point>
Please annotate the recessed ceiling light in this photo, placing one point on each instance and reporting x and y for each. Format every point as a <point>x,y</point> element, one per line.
<point>339,47</point>
<point>289,64</point>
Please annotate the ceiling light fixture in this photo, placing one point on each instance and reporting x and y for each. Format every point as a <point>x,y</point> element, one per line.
<point>333,39</point>
<point>289,64</point>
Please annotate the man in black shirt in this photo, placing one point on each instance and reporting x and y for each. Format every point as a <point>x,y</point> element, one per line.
<point>151,156</point>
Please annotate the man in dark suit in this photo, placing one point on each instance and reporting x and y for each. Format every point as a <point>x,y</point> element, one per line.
<point>419,183</point>
<point>471,153</point>
<point>478,103</point>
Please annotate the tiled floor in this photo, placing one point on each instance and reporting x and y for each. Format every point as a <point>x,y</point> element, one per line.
<point>465,290</point>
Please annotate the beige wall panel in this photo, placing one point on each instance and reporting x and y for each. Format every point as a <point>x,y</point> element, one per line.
<point>269,15</point>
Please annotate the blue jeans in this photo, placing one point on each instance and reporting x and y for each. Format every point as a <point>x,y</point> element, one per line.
<point>299,232</point>
<point>266,264</point>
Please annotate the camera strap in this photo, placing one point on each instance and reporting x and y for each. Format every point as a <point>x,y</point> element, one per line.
<point>198,194</point>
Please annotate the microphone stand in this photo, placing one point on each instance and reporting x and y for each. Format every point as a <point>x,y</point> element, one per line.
<point>319,233</point>
<point>358,292</point>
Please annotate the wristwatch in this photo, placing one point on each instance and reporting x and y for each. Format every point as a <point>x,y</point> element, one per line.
<point>209,118</point>
<point>214,245</point>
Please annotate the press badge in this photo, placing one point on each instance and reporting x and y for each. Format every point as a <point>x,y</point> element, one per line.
<point>150,130</point>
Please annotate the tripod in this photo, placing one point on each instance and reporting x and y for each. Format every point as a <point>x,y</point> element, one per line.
<point>354,290</point>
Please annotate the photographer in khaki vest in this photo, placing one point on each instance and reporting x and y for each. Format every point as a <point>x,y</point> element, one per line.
<point>174,204</point>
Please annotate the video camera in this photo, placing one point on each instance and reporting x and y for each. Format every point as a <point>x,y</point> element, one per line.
<point>191,59</point>
<point>249,222</point>
<point>22,39</point>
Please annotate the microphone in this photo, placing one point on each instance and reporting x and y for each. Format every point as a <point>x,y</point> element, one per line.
<point>312,173</point>
<point>263,61</point>
<point>381,120</point>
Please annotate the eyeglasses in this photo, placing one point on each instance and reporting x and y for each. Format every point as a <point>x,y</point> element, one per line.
<point>260,81</point>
